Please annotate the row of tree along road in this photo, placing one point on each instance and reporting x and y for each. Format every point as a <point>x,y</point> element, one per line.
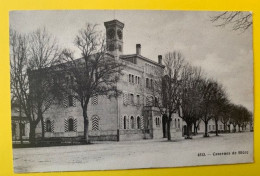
<point>38,64</point>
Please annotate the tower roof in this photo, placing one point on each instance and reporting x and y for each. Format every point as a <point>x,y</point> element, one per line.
<point>114,22</point>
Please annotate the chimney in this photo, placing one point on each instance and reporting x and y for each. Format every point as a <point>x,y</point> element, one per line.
<point>160,59</point>
<point>138,49</point>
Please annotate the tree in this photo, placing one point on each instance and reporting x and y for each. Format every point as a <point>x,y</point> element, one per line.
<point>30,80</point>
<point>225,114</point>
<point>167,88</point>
<point>219,100</point>
<point>190,96</point>
<point>43,54</point>
<point>18,59</point>
<point>95,73</point>
<point>240,21</point>
<point>208,89</point>
<point>235,116</point>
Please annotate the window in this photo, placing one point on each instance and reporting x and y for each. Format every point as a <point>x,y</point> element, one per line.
<point>209,127</point>
<point>135,79</point>
<point>138,80</point>
<point>130,78</point>
<point>138,122</point>
<point>151,84</point>
<point>152,101</point>
<point>125,98</point>
<point>22,129</point>
<point>179,123</point>
<point>156,102</point>
<point>147,82</point>
<point>213,127</point>
<point>138,99</point>
<point>70,97</point>
<point>149,101</point>
<point>175,123</point>
<point>199,127</point>
<point>48,126</point>
<point>70,125</point>
<point>157,121</point>
<point>124,122</point>
<point>120,48</point>
<point>94,100</point>
<point>132,122</point>
<point>95,123</point>
<point>132,98</point>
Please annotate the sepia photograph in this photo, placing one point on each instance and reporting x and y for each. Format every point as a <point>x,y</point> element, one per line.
<point>130,89</point>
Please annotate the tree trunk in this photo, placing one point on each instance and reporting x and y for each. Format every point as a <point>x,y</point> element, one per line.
<point>86,123</point>
<point>169,119</point>
<point>216,124</point>
<point>189,126</point>
<point>20,124</point>
<point>164,125</point>
<point>20,131</point>
<point>32,132</point>
<point>234,130</point>
<point>42,124</point>
<point>206,129</point>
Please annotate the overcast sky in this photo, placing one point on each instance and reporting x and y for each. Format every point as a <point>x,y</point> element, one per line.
<point>223,54</point>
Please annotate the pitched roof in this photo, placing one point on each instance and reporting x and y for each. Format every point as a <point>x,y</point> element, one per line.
<point>141,57</point>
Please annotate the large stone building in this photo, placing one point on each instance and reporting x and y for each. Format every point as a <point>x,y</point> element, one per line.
<point>131,116</point>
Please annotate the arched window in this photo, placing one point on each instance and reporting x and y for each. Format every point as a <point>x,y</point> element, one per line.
<point>157,121</point>
<point>147,82</point>
<point>138,122</point>
<point>152,101</point>
<point>132,122</point>
<point>48,126</point>
<point>70,124</point>
<point>124,122</point>
<point>179,123</point>
<point>95,123</point>
<point>156,103</point>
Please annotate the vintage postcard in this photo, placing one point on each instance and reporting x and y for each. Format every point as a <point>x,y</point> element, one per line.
<point>121,89</point>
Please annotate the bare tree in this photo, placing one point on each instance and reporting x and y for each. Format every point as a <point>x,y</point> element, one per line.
<point>208,98</point>
<point>19,86</point>
<point>43,54</point>
<point>219,100</point>
<point>30,80</point>
<point>190,97</point>
<point>225,115</point>
<point>240,21</point>
<point>171,82</point>
<point>95,73</point>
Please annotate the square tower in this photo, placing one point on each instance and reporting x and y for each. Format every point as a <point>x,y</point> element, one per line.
<point>114,37</point>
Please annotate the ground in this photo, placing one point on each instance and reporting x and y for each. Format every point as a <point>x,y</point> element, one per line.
<point>137,154</point>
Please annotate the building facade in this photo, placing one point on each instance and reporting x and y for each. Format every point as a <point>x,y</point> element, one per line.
<point>132,116</point>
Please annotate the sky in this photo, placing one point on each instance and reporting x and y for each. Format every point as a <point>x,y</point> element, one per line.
<point>223,54</point>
